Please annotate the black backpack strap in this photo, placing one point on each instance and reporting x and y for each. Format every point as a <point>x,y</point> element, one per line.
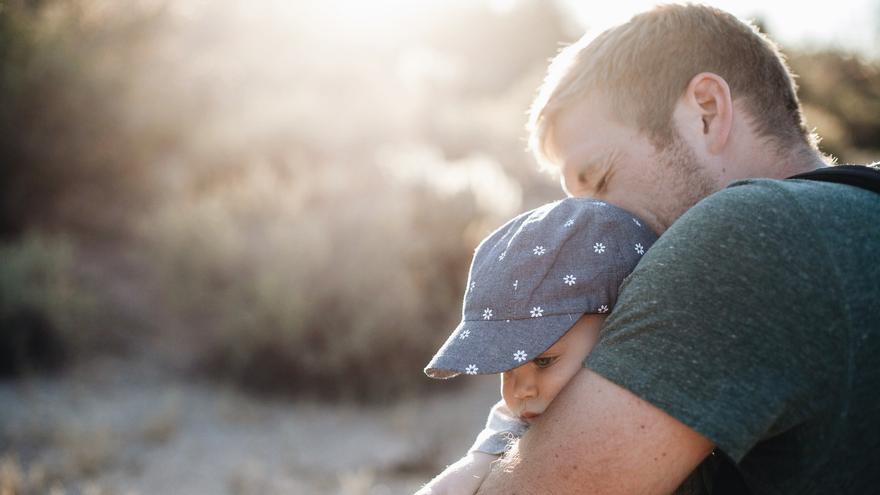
<point>721,476</point>
<point>865,177</point>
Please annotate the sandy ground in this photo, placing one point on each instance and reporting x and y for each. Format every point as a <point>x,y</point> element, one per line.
<point>128,428</point>
<point>139,425</point>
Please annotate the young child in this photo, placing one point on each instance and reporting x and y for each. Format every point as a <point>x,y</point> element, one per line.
<point>538,291</point>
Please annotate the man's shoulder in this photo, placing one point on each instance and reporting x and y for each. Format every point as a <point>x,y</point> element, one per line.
<point>739,210</point>
<point>761,193</point>
<point>751,193</point>
<point>751,291</point>
<point>762,222</point>
<point>755,205</point>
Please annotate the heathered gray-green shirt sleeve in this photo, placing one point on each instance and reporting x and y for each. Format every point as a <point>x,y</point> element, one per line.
<point>712,328</point>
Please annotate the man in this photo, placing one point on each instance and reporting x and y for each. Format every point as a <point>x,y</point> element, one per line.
<point>752,327</point>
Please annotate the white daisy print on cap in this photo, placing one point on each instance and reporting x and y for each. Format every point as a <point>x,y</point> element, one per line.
<point>536,276</point>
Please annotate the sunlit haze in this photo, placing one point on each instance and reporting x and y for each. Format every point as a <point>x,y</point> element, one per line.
<point>848,24</point>
<point>234,232</point>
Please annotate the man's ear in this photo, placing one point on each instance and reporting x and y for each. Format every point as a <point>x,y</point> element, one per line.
<point>708,99</point>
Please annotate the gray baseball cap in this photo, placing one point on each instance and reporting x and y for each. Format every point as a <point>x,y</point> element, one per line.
<point>534,277</point>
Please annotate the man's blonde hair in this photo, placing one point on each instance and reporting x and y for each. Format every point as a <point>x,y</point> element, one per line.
<point>645,65</point>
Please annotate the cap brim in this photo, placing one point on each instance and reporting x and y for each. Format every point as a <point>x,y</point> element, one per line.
<point>494,346</point>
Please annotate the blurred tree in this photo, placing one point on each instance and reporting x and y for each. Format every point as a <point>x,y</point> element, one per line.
<point>841,93</point>
<point>67,158</point>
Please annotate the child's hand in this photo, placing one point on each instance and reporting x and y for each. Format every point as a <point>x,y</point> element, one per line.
<point>462,478</point>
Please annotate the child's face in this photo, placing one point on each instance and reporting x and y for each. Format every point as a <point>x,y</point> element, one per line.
<point>529,389</point>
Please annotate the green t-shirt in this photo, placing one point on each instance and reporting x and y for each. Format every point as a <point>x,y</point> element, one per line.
<point>755,320</point>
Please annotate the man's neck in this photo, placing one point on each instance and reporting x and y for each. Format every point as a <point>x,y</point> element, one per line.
<point>795,162</point>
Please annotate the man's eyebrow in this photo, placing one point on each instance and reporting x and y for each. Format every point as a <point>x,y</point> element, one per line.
<point>598,166</point>
<point>608,167</point>
<point>612,158</point>
<point>590,164</point>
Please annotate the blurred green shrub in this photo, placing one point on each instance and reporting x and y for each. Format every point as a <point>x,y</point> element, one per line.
<point>44,313</point>
<point>293,290</point>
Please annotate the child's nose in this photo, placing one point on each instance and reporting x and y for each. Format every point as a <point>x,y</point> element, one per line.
<point>525,386</point>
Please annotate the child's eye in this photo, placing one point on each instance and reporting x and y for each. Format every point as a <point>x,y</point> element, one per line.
<point>543,362</point>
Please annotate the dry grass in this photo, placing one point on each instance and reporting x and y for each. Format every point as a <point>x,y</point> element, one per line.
<point>68,450</point>
<point>88,452</point>
<point>16,480</point>
<point>11,476</point>
<point>162,426</point>
<point>148,434</point>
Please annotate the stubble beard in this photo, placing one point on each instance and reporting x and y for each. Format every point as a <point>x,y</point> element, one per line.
<point>688,181</point>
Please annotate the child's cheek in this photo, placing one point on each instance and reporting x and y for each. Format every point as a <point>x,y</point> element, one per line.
<point>561,376</point>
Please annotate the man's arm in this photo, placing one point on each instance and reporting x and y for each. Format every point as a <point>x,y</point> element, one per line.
<point>597,437</point>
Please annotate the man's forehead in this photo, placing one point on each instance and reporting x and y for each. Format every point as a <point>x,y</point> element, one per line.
<point>584,157</point>
<point>577,131</point>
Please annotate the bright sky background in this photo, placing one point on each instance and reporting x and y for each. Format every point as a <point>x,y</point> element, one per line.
<point>853,24</point>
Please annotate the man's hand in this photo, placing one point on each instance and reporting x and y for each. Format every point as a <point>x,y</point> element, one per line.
<point>597,437</point>
<point>462,478</point>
